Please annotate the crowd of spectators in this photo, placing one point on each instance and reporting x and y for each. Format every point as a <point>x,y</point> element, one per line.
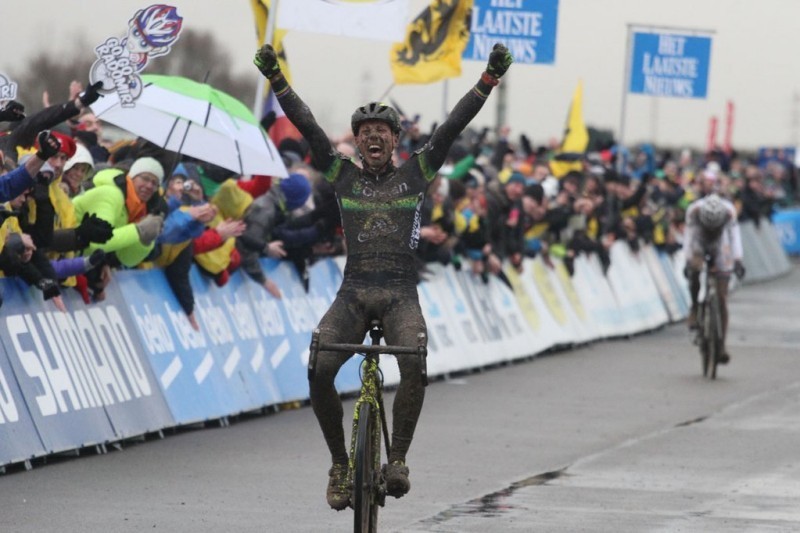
<point>77,207</point>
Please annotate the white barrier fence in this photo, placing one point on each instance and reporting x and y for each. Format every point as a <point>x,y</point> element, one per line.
<point>472,324</point>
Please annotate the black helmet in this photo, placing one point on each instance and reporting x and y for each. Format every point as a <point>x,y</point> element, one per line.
<point>375,111</point>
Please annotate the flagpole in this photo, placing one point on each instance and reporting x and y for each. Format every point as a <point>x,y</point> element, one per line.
<point>386,93</point>
<point>501,104</point>
<point>269,32</point>
<point>445,109</point>
<point>625,84</point>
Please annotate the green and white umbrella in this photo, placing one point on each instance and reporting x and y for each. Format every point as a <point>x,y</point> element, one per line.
<point>195,119</point>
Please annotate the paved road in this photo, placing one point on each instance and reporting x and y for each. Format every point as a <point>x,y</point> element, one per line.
<point>621,435</point>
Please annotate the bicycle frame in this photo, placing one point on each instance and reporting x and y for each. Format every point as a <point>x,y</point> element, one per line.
<point>372,393</point>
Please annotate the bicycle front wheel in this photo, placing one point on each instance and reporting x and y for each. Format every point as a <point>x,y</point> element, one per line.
<point>365,478</point>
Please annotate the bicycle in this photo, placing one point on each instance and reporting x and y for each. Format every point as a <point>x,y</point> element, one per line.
<point>709,320</point>
<point>369,421</point>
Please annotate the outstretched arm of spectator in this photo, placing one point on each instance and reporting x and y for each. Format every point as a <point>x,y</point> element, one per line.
<point>17,181</point>
<point>22,178</point>
<point>181,225</point>
<point>25,132</point>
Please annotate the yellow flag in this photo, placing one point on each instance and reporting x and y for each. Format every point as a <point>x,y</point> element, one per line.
<point>575,141</point>
<point>434,43</point>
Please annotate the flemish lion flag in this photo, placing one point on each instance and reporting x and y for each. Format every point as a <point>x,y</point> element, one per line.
<point>434,43</point>
<point>575,141</point>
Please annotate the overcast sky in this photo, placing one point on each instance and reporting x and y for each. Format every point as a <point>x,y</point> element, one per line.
<point>753,64</point>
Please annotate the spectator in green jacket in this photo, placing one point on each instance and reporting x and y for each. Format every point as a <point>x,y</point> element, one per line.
<point>131,203</point>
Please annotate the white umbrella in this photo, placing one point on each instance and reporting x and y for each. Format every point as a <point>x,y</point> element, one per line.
<point>195,119</point>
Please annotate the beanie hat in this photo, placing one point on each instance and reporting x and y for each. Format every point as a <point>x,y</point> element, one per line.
<point>180,170</point>
<point>296,189</point>
<point>82,155</point>
<point>146,164</point>
<point>516,177</point>
<point>67,143</point>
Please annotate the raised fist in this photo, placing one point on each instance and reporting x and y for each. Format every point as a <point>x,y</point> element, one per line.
<point>267,61</point>
<point>91,94</point>
<point>499,61</point>
<point>49,145</point>
<point>13,111</point>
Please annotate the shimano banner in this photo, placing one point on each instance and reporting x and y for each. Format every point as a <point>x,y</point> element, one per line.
<point>81,372</point>
<point>18,438</point>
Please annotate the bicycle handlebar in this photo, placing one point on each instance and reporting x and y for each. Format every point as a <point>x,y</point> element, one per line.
<point>420,350</point>
<point>367,348</point>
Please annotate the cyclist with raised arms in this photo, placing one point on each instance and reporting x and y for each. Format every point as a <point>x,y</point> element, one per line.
<point>380,206</point>
<point>712,227</point>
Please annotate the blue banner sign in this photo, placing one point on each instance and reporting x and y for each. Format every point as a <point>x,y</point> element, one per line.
<point>188,367</point>
<point>526,27</point>
<point>82,372</point>
<point>670,64</point>
<point>18,437</point>
<point>787,225</point>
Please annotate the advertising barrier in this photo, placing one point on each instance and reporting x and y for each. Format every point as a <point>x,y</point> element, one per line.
<point>787,224</point>
<point>764,257</point>
<point>133,364</point>
<point>82,374</point>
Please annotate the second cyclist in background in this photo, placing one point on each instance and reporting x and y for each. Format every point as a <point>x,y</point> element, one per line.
<point>712,228</point>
